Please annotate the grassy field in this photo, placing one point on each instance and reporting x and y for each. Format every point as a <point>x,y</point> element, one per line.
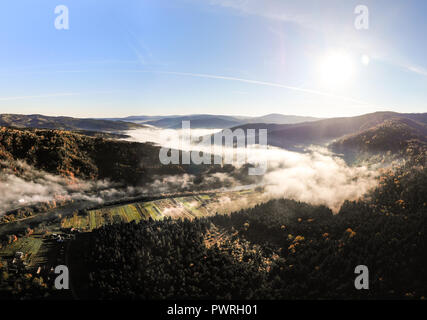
<point>189,207</point>
<point>110,215</point>
<point>47,252</point>
<point>27,245</point>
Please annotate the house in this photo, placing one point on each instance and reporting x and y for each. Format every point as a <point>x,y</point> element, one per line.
<point>19,255</point>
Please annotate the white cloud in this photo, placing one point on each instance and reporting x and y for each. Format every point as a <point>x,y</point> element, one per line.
<point>282,11</point>
<point>417,70</point>
<point>51,95</point>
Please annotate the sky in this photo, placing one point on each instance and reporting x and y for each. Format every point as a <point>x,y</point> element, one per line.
<point>237,57</point>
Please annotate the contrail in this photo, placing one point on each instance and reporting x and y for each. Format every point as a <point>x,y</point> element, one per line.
<point>210,76</point>
<point>263,83</point>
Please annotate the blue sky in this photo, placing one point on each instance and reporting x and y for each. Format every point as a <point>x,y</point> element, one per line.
<point>247,57</point>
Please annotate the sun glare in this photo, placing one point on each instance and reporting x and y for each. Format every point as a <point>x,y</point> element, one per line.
<point>336,68</point>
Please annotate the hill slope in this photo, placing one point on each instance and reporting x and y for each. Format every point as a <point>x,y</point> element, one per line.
<point>209,121</point>
<point>64,123</point>
<point>293,136</point>
<point>71,154</point>
<point>282,249</point>
<point>397,136</point>
<point>197,121</point>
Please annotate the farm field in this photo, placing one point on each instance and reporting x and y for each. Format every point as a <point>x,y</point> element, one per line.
<point>29,246</point>
<point>188,207</point>
<point>42,250</point>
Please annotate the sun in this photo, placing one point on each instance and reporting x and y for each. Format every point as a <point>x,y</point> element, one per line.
<point>335,68</point>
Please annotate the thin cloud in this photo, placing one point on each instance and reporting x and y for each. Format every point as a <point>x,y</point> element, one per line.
<point>78,63</point>
<point>417,70</point>
<point>262,83</point>
<point>403,65</point>
<point>266,9</point>
<point>39,96</point>
<point>209,76</point>
<point>55,95</point>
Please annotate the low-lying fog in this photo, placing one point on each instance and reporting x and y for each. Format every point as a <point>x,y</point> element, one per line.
<point>36,186</point>
<point>316,177</point>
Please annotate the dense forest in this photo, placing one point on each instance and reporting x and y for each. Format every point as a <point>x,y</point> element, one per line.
<point>73,154</point>
<point>93,155</point>
<point>279,250</point>
<point>64,123</point>
<point>282,249</point>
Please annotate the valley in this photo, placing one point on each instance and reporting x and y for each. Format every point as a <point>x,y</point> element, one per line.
<point>44,239</point>
<point>71,198</point>
<point>212,158</point>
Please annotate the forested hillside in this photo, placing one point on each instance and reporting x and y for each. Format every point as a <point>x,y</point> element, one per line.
<point>76,155</point>
<point>280,250</point>
<point>298,136</point>
<point>64,123</point>
<point>400,138</point>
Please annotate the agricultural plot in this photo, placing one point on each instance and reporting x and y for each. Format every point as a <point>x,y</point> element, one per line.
<point>29,246</point>
<point>76,221</point>
<point>152,208</point>
<point>109,215</point>
<point>189,207</point>
<point>245,191</point>
<point>46,255</point>
<point>194,206</point>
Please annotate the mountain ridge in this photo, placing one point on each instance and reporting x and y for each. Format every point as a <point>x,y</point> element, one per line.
<point>213,121</point>
<point>326,130</point>
<point>65,123</point>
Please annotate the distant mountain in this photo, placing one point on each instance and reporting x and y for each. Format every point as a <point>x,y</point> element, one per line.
<point>295,136</point>
<point>401,137</point>
<point>137,119</point>
<point>281,119</point>
<point>208,121</point>
<point>197,122</point>
<point>64,123</point>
